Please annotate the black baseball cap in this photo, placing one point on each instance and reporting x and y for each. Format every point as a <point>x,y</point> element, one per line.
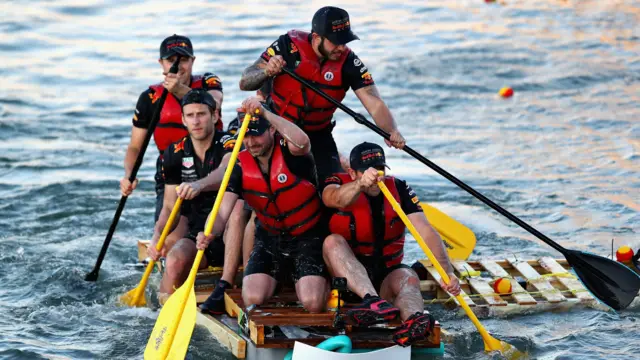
<point>257,125</point>
<point>176,45</point>
<point>333,23</point>
<point>199,96</point>
<point>367,155</point>
<point>234,125</point>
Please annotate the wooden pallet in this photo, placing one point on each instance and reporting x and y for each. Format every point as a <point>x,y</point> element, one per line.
<point>537,285</point>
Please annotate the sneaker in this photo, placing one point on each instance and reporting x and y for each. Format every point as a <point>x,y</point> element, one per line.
<point>214,305</point>
<point>417,327</point>
<point>372,310</point>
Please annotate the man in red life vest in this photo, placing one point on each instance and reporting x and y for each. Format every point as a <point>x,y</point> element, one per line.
<point>323,58</point>
<point>276,176</point>
<point>367,242</point>
<point>170,127</point>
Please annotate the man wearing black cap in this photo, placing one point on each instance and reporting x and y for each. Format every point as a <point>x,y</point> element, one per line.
<point>276,176</point>
<point>367,242</point>
<point>170,128</point>
<point>204,152</point>
<point>323,58</point>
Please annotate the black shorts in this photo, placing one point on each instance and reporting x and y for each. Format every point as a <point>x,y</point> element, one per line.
<point>287,258</point>
<point>378,271</point>
<point>159,187</point>
<point>325,154</point>
<point>214,252</point>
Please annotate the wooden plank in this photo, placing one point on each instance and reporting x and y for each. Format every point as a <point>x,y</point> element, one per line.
<point>569,281</point>
<point>479,284</point>
<point>307,319</point>
<point>428,286</point>
<point>256,333</point>
<point>230,306</point>
<point>437,278</point>
<point>520,295</point>
<point>225,336</point>
<point>539,283</point>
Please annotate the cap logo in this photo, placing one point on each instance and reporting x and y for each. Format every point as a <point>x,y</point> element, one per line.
<point>180,44</point>
<point>340,25</point>
<point>282,178</point>
<point>328,76</point>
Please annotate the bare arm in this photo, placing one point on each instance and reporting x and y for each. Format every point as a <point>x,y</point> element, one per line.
<point>169,200</point>
<point>135,145</point>
<point>227,205</point>
<point>371,100</point>
<point>233,237</point>
<point>297,141</point>
<point>254,76</point>
<point>341,196</point>
<point>432,239</point>
<point>212,181</point>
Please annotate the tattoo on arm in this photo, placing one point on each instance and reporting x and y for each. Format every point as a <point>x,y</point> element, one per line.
<point>253,77</point>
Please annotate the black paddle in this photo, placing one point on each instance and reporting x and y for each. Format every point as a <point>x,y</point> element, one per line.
<point>93,275</point>
<point>610,281</point>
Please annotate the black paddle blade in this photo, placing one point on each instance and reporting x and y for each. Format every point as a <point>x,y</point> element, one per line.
<point>610,281</point>
<point>92,276</point>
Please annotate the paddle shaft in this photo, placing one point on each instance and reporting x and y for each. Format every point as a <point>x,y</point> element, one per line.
<point>163,236</point>
<point>398,209</point>
<point>362,120</point>
<point>93,275</point>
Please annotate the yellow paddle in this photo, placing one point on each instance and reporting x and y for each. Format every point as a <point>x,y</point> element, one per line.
<point>458,239</point>
<point>135,297</point>
<point>490,343</point>
<point>172,333</point>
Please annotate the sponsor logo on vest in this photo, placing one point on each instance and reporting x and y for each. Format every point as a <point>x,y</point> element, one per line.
<point>328,76</point>
<point>187,162</point>
<point>282,178</point>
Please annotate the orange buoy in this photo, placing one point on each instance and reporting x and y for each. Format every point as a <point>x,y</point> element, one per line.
<point>624,254</point>
<point>506,92</point>
<point>502,286</point>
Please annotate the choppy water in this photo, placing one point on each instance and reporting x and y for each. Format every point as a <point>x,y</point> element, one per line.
<point>563,153</point>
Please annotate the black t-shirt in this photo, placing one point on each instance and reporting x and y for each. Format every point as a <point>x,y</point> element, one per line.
<point>181,164</point>
<point>302,166</point>
<point>408,199</point>
<point>145,106</point>
<point>355,74</point>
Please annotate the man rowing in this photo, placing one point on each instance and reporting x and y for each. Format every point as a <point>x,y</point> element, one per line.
<point>367,242</point>
<point>276,176</point>
<point>205,151</point>
<point>170,127</point>
<point>323,58</point>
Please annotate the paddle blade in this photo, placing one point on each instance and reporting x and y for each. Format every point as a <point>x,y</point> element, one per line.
<point>171,334</point>
<point>610,281</point>
<point>458,239</point>
<point>129,299</point>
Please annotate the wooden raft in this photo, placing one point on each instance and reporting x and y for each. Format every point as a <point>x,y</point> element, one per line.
<point>537,285</point>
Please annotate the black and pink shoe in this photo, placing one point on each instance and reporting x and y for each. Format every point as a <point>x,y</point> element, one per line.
<point>416,328</point>
<point>372,310</point>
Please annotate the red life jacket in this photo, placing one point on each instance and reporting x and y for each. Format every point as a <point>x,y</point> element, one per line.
<point>170,128</point>
<point>284,203</point>
<point>293,101</point>
<point>355,224</point>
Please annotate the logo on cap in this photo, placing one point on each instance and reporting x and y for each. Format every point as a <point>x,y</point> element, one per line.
<point>328,76</point>
<point>339,25</point>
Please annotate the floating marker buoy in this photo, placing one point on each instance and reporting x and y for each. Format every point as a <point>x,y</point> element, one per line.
<point>624,254</point>
<point>506,92</point>
<point>502,286</point>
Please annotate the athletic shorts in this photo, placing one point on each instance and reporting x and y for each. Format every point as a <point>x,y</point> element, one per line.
<point>325,154</point>
<point>378,272</point>
<point>214,252</point>
<point>287,258</point>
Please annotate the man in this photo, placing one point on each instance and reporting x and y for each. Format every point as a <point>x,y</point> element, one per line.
<point>275,175</point>
<point>323,58</point>
<point>170,128</point>
<point>367,241</point>
<point>205,151</point>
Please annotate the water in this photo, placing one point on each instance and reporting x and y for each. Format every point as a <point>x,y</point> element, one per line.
<point>563,153</point>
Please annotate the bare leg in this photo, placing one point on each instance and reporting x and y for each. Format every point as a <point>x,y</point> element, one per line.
<point>257,288</point>
<point>249,237</point>
<point>312,291</point>
<point>343,263</point>
<point>178,264</point>
<point>178,233</point>
<point>402,288</point>
<point>233,242</point>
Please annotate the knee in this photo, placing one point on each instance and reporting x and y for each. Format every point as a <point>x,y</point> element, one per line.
<point>333,242</point>
<point>252,297</point>
<point>177,260</point>
<point>411,278</point>
<point>313,303</point>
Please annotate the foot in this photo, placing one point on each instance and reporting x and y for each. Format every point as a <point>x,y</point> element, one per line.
<point>372,310</point>
<point>214,305</point>
<point>417,327</point>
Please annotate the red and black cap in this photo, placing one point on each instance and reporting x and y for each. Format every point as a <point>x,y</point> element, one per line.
<point>257,125</point>
<point>176,45</point>
<point>333,23</point>
<point>367,155</point>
